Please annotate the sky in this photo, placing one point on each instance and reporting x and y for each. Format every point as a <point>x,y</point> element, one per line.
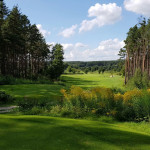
<point>89,30</point>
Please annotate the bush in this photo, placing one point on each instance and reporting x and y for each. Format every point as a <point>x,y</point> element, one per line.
<point>9,80</point>
<point>36,111</point>
<point>130,106</point>
<point>5,98</point>
<point>139,80</point>
<point>28,103</point>
<point>98,100</point>
<point>6,80</point>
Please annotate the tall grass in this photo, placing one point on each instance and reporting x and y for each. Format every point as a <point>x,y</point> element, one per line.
<point>131,106</point>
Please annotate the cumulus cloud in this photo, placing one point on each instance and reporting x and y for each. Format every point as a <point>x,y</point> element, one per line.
<point>42,31</point>
<point>106,50</point>
<point>67,46</point>
<point>69,31</point>
<point>80,45</point>
<point>138,6</point>
<point>103,14</point>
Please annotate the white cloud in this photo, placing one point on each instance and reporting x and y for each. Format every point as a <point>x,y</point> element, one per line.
<point>69,31</point>
<point>67,46</point>
<point>138,6</point>
<point>103,15</point>
<point>106,50</point>
<point>42,31</point>
<point>80,45</point>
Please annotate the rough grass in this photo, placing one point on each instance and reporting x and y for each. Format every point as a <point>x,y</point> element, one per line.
<point>40,132</point>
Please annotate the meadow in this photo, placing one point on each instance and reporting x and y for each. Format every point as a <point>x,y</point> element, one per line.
<point>41,132</point>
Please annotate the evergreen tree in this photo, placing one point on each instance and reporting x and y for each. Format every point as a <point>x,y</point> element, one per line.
<point>3,15</point>
<point>56,66</point>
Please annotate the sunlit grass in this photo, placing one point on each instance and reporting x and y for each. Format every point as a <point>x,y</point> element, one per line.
<point>38,132</point>
<point>53,90</point>
<point>95,79</point>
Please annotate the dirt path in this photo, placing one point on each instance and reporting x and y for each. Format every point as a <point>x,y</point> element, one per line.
<point>7,109</point>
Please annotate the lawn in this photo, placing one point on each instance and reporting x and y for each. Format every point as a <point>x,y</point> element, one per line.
<point>53,90</point>
<point>33,90</point>
<point>48,133</point>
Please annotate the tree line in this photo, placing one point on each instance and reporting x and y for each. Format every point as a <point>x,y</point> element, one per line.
<point>100,66</point>
<point>23,50</point>
<point>137,50</point>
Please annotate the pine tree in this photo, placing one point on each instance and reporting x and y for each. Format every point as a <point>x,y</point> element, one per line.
<point>3,15</point>
<point>56,66</point>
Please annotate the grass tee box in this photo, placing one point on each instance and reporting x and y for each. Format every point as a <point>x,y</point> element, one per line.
<point>48,133</point>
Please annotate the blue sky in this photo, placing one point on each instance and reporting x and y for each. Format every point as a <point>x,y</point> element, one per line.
<point>89,30</point>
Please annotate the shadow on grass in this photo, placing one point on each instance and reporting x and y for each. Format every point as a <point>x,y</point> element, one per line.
<point>77,81</point>
<point>50,133</point>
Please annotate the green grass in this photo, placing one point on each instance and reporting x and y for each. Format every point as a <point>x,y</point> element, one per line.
<point>48,133</point>
<point>32,90</point>
<point>53,90</point>
<point>93,80</point>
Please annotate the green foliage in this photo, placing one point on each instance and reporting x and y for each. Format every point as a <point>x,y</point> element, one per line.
<point>97,65</point>
<point>5,98</point>
<point>69,69</point>
<point>141,106</point>
<point>56,67</point>
<point>131,106</point>
<point>86,71</point>
<point>10,80</point>
<point>139,80</point>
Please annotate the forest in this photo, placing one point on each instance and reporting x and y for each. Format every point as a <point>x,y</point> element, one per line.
<point>116,65</point>
<point>136,50</point>
<point>24,52</point>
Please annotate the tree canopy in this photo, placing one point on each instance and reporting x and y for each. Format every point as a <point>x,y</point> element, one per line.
<point>23,49</point>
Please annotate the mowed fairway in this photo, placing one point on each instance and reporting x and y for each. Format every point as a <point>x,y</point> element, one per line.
<point>93,80</point>
<point>53,90</point>
<point>48,133</point>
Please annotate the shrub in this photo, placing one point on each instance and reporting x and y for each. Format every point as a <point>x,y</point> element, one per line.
<point>5,98</point>
<point>130,106</point>
<point>55,110</point>
<point>5,80</point>
<point>36,111</point>
<point>28,103</point>
<point>97,100</point>
<point>141,105</point>
<point>139,80</point>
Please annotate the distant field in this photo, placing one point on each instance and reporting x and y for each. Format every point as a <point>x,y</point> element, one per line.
<point>48,133</point>
<point>53,90</point>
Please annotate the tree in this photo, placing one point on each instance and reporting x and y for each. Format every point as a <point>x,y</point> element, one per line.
<point>103,70</point>
<point>3,15</point>
<point>69,69</point>
<point>86,71</point>
<point>137,46</point>
<point>23,50</point>
<point>100,69</point>
<point>56,67</point>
